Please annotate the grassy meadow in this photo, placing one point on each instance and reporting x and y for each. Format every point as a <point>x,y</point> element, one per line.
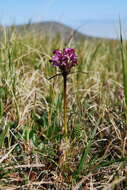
<point>31,115</point>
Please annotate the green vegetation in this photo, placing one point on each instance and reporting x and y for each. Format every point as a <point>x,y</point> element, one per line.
<point>31,115</point>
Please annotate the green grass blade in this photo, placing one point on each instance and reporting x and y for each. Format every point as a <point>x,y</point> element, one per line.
<point>124,63</point>
<point>85,154</point>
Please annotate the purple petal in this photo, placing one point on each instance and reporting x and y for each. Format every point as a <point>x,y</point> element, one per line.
<point>56,64</point>
<point>55,58</point>
<point>65,58</point>
<point>58,53</point>
<point>68,51</point>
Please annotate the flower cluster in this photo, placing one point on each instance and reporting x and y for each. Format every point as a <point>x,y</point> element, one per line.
<point>65,59</point>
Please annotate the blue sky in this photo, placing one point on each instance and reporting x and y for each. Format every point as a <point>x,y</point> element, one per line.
<point>93,17</point>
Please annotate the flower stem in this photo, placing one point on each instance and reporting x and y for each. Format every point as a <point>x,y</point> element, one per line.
<point>65,106</point>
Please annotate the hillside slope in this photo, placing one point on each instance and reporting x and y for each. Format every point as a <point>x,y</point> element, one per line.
<point>51,29</point>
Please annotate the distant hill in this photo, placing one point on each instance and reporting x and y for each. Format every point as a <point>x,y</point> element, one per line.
<point>52,29</point>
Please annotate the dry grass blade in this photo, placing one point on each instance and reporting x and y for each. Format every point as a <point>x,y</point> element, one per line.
<point>78,185</point>
<point>115,182</point>
<point>11,187</point>
<point>27,166</point>
<point>7,154</point>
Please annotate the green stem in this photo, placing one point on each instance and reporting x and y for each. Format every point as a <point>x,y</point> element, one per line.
<point>65,106</point>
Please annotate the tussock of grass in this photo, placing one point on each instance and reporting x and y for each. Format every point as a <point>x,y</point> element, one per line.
<point>31,116</point>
